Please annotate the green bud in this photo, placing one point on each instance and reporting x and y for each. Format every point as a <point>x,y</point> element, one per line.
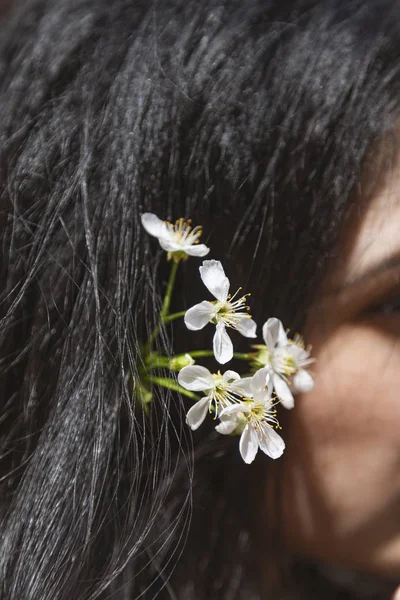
<point>261,358</point>
<point>176,363</point>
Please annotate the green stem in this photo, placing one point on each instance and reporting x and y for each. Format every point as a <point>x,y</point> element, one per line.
<point>243,356</point>
<point>172,385</point>
<point>169,290</point>
<point>210,353</point>
<point>174,316</point>
<point>165,308</point>
<point>201,353</point>
<point>161,362</point>
<point>156,361</point>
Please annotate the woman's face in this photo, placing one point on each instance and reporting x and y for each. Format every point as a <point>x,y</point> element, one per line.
<point>342,475</point>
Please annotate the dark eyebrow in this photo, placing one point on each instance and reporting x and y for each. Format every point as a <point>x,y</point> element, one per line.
<point>372,273</point>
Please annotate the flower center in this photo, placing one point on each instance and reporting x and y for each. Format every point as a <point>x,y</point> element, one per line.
<point>183,234</point>
<point>284,363</point>
<point>221,396</point>
<point>231,311</point>
<point>257,412</point>
<point>262,414</point>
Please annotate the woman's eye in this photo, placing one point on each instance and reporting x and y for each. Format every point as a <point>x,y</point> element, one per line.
<point>387,307</point>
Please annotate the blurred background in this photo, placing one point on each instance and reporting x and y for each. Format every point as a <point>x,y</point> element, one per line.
<point>4,7</point>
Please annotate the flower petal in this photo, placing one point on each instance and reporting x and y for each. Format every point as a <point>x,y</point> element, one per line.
<point>282,390</point>
<point>300,355</point>
<point>227,425</point>
<point>197,413</point>
<point>197,250</point>
<point>153,225</point>
<point>222,345</point>
<point>247,327</point>
<point>230,377</point>
<point>199,315</point>
<point>234,409</point>
<point>302,381</point>
<point>261,385</point>
<point>242,386</point>
<point>297,352</point>
<point>273,333</point>
<point>213,276</point>
<point>270,442</point>
<point>196,378</point>
<point>169,245</point>
<point>248,444</point>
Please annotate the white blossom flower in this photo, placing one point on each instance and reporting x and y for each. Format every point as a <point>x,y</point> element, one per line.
<point>286,360</point>
<point>258,415</point>
<point>179,239</point>
<point>224,312</point>
<point>221,391</point>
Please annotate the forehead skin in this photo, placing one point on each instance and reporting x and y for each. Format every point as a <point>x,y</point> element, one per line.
<point>342,467</point>
<point>371,239</point>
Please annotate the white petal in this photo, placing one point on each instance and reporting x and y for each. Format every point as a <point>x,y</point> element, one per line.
<point>153,225</point>
<point>222,345</point>
<point>247,327</point>
<point>273,333</point>
<point>269,383</point>
<point>197,413</point>
<point>230,377</point>
<point>234,409</point>
<point>199,315</point>
<point>243,385</point>
<point>300,355</point>
<point>197,250</point>
<point>282,390</point>
<point>196,378</point>
<point>168,244</point>
<point>261,384</point>
<point>213,276</point>
<point>270,442</point>
<point>297,352</point>
<point>302,381</point>
<point>248,444</point>
<point>227,425</point>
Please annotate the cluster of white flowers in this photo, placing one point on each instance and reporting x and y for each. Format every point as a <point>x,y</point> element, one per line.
<point>245,406</point>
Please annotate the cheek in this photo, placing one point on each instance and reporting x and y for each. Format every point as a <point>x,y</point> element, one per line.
<point>355,399</point>
<point>343,455</point>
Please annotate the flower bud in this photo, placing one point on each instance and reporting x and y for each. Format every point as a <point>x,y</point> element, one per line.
<point>260,358</point>
<point>179,361</point>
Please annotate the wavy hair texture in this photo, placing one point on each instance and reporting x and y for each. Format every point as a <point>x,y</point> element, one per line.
<point>253,117</point>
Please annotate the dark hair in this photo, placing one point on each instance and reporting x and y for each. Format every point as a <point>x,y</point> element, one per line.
<point>252,117</point>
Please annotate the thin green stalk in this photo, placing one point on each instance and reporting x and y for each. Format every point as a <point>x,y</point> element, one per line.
<point>210,353</point>
<point>174,316</point>
<point>160,362</point>
<point>201,353</point>
<point>156,361</point>
<point>243,356</point>
<point>172,385</point>
<point>169,290</point>
<point>165,307</point>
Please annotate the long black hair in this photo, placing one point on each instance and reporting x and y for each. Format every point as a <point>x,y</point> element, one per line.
<point>254,118</point>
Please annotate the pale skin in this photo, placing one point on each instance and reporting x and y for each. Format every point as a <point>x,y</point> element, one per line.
<point>342,475</point>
